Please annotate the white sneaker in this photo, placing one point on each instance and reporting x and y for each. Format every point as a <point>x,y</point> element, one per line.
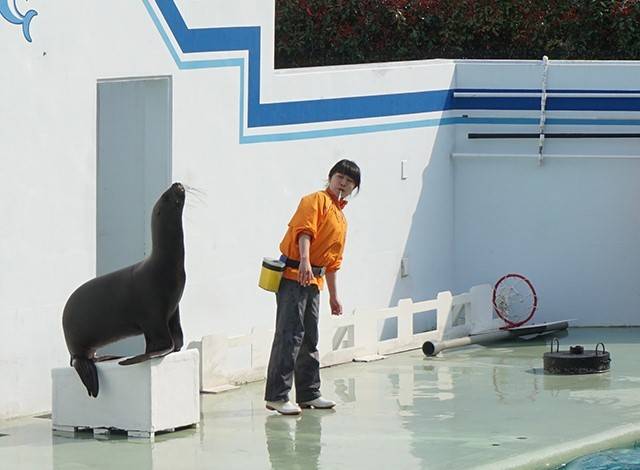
<point>283,407</point>
<point>319,403</point>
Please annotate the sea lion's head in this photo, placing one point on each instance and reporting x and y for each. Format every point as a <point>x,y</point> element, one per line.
<point>166,219</point>
<point>171,202</point>
<point>177,193</point>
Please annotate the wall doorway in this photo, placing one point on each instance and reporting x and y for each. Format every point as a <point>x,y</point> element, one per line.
<point>133,169</point>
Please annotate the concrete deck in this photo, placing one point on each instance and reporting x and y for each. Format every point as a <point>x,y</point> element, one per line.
<point>479,406</point>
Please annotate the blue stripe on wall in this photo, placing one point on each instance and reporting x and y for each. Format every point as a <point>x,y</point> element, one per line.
<point>421,123</point>
<point>552,103</point>
<point>294,112</point>
<point>359,107</point>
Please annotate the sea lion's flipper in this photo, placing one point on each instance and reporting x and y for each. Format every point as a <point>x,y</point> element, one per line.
<point>88,373</point>
<point>158,343</point>
<point>106,358</point>
<point>176,330</point>
<point>146,356</point>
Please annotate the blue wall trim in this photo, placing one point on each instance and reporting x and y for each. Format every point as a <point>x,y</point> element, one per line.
<point>445,121</point>
<point>552,103</point>
<point>293,112</point>
<point>261,115</point>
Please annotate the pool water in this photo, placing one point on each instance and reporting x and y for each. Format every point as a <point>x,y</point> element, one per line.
<point>480,407</point>
<point>614,459</point>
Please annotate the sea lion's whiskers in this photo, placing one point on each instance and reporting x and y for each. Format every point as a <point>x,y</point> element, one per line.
<point>195,193</point>
<point>194,205</point>
<point>194,190</point>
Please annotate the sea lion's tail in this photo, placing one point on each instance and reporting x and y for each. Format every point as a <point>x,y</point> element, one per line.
<point>88,373</point>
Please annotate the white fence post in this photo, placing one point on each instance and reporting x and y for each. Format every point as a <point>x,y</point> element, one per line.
<point>445,302</point>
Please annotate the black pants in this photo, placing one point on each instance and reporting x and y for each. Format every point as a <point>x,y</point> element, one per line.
<point>294,352</point>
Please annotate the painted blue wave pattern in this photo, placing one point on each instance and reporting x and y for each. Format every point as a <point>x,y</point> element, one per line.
<point>13,16</point>
<point>261,115</point>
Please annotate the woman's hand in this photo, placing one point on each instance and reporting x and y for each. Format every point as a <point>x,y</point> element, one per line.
<point>305,273</point>
<point>334,302</point>
<point>336,306</point>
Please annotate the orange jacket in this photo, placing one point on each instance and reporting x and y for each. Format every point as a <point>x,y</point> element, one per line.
<point>320,216</point>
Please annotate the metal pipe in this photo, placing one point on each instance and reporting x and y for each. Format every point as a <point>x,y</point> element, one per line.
<point>431,348</point>
<point>534,155</point>
<point>543,107</point>
<point>554,135</point>
<point>537,94</point>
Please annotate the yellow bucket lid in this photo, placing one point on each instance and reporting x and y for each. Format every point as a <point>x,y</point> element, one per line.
<point>273,264</point>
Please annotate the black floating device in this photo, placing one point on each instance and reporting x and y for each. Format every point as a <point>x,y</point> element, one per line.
<point>576,360</point>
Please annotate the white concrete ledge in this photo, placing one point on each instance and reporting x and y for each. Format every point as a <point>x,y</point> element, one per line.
<point>142,399</point>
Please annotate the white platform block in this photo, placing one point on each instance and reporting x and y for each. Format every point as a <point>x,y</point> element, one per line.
<point>157,395</point>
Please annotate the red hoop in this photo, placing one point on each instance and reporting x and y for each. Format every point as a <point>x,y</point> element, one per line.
<point>500,309</point>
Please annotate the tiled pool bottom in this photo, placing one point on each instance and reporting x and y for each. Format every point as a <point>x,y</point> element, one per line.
<point>614,459</point>
<point>488,407</point>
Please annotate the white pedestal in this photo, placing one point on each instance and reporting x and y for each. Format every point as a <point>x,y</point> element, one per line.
<point>157,395</point>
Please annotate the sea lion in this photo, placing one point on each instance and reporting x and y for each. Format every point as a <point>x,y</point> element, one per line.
<point>139,299</point>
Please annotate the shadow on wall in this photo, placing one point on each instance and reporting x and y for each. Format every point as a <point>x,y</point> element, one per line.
<point>570,226</point>
<point>425,264</point>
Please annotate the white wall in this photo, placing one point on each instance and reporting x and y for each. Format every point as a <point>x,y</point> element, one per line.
<point>246,192</point>
<point>570,225</point>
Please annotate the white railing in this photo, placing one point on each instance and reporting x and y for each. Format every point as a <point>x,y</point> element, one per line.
<point>227,362</point>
